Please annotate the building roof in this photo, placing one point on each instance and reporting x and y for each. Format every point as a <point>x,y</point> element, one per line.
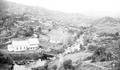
<point>20,43</point>
<point>25,42</point>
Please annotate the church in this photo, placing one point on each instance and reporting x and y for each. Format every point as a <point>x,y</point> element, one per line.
<point>23,44</point>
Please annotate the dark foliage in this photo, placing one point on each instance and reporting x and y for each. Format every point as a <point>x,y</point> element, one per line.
<point>116,65</point>
<point>29,32</point>
<point>46,57</point>
<point>5,59</point>
<point>68,65</point>
<point>101,55</point>
<point>22,59</point>
<point>92,48</point>
<point>25,32</point>
<point>54,67</point>
<point>117,33</point>
<point>6,62</point>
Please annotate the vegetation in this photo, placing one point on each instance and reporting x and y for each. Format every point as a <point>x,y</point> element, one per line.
<point>68,65</point>
<point>104,47</point>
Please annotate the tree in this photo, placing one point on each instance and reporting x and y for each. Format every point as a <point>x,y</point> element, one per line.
<point>68,65</point>
<point>101,55</point>
<point>117,33</point>
<point>92,47</point>
<point>6,59</point>
<point>29,31</point>
<point>25,32</point>
<point>54,67</point>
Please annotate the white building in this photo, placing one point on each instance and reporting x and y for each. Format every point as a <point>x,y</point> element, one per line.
<point>22,45</point>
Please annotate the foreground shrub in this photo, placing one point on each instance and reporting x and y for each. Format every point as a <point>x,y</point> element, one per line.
<point>92,48</point>
<point>68,65</point>
<point>100,55</point>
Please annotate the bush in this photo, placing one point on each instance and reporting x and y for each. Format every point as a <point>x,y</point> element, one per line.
<point>29,31</point>
<point>54,67</point>
<point>6,59</point>
<point>68,65</point>
<point>117,33</point>
<point>101,55</point>
<point>92,48</point>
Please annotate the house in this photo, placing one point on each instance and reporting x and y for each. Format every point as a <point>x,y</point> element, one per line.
<point>22,45</point>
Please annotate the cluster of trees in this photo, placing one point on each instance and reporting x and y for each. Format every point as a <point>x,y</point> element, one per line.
<point>67,65</point>
<point>25,32</point>
<point>6,60</point>
<point>9,26</point>
<point>108,52</point>
<point>23,58</point>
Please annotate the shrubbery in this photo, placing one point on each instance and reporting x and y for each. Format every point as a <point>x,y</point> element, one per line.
<point>92,48</point>
<point>100,55</point>
<point>22,58</point>
<point>68,65</point>
<point>5,59</point>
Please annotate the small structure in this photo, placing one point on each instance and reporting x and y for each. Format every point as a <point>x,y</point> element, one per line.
<point>22,45</point>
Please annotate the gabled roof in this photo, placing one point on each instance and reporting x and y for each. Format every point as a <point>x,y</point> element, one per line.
<point>27,41</point>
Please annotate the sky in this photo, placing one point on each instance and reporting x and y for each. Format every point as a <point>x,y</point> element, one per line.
<point>86,7</point>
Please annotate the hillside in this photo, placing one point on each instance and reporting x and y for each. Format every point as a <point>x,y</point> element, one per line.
<point>107,24</point>
<point>66,41</point>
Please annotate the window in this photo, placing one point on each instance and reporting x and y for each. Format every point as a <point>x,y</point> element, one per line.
<point>17,48</point>
<point>24,47</point>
